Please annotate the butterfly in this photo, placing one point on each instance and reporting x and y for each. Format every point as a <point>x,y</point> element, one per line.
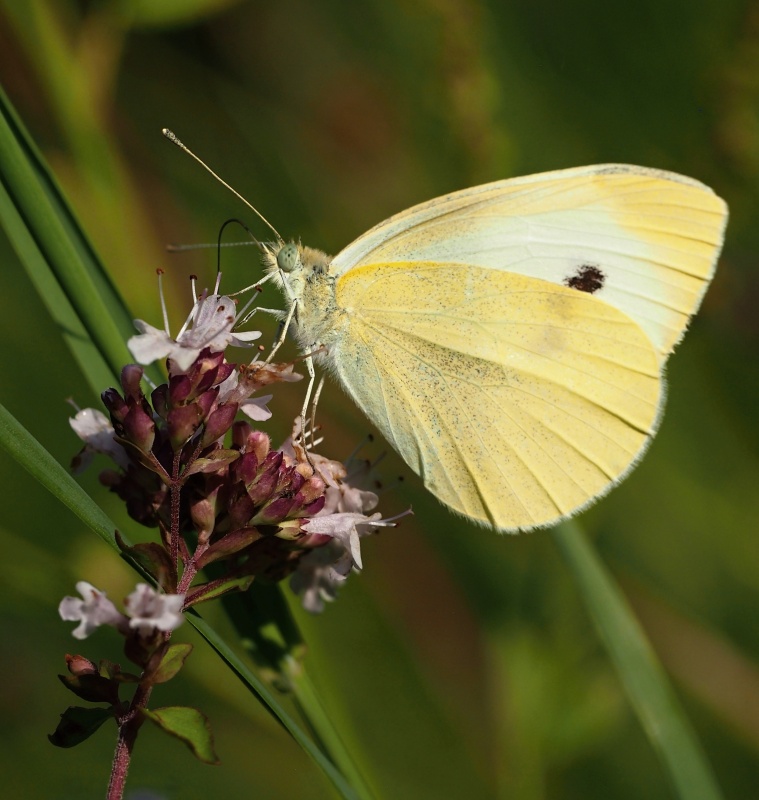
<point>509,340</point>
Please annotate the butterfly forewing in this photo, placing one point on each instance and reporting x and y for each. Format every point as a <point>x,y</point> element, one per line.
<point>651,237</point>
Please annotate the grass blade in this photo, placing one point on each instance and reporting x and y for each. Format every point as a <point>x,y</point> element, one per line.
<point>643,678</point>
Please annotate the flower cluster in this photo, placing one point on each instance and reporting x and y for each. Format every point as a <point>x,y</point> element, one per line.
<point>230,508</point>
<point>214,486</point>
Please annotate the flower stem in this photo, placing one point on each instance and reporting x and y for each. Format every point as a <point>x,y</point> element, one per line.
<point>176,488</point>
<point>129,724</point>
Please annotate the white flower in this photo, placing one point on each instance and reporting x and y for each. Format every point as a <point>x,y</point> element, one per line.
<point>321,571</point>
<point>149,610</point>
<point>255,407</point>
<point>319,574</point>
<point>344,497</point>
<point>96,431</point>
<point>345,528</point>
<point>212,319</point>
<point>94,610</point>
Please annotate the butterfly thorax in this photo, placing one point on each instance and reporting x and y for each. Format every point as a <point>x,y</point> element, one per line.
<point>304,276</point>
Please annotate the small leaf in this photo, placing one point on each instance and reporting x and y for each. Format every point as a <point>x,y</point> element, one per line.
<point>214,589</point>
<point>92,687</point>
<point>189,725</point>
<point>106,668</point>
<point>229,545</point>
<point>110,669</point>
<point>213,462</point>
<point>78,724</point>
<point>154,559</point>
<point>172,661</point>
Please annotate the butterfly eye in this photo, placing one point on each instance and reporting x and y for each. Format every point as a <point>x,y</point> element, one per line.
<point>287,257</point>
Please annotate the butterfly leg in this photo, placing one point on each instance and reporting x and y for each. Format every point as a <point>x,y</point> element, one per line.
<point>309,362</point>
<point>285,327</point>
<point>317,395</point>
<point>275,312</point>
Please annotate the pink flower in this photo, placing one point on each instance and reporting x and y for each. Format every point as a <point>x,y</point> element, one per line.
<point>211,319</point>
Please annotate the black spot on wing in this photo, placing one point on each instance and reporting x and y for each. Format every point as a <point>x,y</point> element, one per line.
<point>587,278</point>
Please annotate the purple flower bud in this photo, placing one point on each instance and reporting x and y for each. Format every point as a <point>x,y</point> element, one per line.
<point>223,372</point>
<point>240,432</point>
<point>219,422</point>
<point>139,428</point>
<point>276,511</point>
<point>312,489</point>
<point>115,405</point>
<point>203,513</point>
<point>180,387</point>
<point>131,376</point>
<point>160,400</point>
<point>183,422</point>
<point>240,510</point>
<point>313,508</point>
<point>206,401</point>
<point>208,370</point>
<point>259,444</point>
<point>79,665</point>
<point>245,468</point>
<point>268,479</point>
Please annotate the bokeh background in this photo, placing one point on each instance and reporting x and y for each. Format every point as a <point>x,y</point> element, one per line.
<point>459,664</point>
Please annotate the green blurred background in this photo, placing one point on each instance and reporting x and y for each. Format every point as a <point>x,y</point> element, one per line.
<point>460,664</point>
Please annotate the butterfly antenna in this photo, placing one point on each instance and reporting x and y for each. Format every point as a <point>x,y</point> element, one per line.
<point>172,137</point>
<point>182,248</point>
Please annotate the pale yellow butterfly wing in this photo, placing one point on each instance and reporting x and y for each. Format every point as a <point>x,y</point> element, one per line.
<point>509,340</point>
<point>654,235</point>
<point>516,400</point>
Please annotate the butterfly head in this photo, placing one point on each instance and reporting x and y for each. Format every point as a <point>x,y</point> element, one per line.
<point>289,258</point>
<point>295,266</point>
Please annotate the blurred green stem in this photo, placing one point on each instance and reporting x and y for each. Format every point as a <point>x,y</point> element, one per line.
<point>642,676</point>
<point>326,735</point>
<point>77,61</point>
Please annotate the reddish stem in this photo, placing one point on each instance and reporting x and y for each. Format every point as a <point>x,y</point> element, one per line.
<point>129,724</point>
<point>175,491</point>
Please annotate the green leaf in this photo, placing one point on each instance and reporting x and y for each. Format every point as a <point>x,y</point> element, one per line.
<point>172,661</point>
<point>189,726</point>
<point>643,678</point>
<point>78,724</point>
<point>267,629</point>
<point>168,13</point>
<point>31,455</point>
<point>59,258</point>
<point>58,243</point>
<point>265,695</point>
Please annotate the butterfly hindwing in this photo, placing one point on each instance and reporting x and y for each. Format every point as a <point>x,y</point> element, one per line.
<point>516,400</point>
